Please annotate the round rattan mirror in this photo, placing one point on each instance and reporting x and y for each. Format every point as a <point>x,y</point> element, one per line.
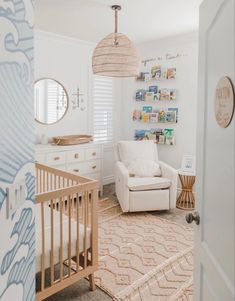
<point>50,101</point>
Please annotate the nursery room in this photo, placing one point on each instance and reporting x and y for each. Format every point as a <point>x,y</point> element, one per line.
<point>117,150</point>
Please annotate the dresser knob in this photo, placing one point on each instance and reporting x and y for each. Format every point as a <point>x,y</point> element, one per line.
<point>94,154</point>
<point>76,170</point>
<point>94,167</point>
<point>56,158</point>
<point>76,156</point>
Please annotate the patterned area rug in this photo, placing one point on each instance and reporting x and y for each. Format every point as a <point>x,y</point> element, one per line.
<point>143,257</point>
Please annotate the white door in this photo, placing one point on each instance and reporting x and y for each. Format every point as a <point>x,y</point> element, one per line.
<point>214,271</point>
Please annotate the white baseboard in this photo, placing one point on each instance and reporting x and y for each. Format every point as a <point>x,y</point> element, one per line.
<point>108,180</point>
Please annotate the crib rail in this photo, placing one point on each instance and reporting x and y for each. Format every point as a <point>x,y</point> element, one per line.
<point>67,229</point>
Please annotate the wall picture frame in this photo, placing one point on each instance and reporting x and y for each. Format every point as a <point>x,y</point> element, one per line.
<point>224,102</point>
<point>188,164</point>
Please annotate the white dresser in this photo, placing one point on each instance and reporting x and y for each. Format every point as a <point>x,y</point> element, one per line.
<point>83,159</point>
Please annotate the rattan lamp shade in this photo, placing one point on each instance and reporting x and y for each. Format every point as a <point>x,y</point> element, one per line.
<point>121,60</point>
<point>116,55</point>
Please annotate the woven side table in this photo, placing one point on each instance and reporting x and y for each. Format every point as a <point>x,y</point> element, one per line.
<point>186,198</point>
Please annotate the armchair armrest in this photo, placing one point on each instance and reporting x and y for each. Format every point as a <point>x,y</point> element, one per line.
<point>172,174</point>
<point>122,170</point>
<point>121,185</point>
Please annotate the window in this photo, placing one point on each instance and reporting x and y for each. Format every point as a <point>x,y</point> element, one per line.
<point>103,108</point>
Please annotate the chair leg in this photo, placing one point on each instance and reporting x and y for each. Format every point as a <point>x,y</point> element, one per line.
<point>92,282</point>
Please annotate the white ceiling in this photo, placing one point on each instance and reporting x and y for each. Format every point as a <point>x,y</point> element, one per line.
<point>141,20</point>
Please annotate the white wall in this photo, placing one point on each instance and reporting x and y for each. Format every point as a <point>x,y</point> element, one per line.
<point>186,85</point>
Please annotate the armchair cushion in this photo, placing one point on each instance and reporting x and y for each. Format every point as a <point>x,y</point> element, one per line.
<point>150,183</point>
<point>133,150</point>
<point>144,168</point>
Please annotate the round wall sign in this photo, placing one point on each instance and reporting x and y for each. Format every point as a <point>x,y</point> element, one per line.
<point>224,102</point>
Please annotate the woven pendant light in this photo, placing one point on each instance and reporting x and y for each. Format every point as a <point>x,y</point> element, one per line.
<point>116,55</point>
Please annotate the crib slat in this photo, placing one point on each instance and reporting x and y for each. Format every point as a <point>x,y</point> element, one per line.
<point>85,230</point>
<point>61,238</point>
<point>94,228</point>
<point>55,176</point>
<point>47,186</point>
<point>40,181</point>
<point>69,246</point>
<point>43,180</point>
<point>72,209</point>
<point>52,244</point>
<point>43,248</point>
<point>51,181</point>
<point>37,178</point>
<point>78,235</point>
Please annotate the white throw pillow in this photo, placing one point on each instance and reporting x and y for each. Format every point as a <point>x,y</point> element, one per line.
<point>144,168</point>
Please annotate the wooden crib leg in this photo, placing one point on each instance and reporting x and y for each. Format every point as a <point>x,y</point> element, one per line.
<point>92,282</point>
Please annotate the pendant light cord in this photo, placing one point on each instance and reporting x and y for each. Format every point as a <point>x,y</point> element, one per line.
<point>116,20</point>
<point>116,8</point>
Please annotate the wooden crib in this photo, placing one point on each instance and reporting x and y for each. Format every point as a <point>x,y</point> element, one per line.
<point>66,230</point>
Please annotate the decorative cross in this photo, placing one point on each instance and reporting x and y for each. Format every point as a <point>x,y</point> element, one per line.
<point>76,101</point>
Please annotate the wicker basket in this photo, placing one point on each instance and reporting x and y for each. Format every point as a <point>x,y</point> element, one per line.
<point>72,139</point>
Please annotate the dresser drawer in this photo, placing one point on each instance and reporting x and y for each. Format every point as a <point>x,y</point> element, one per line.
<point>75,156</point>
<point>85,167</point>
<point>92,153</point>
<point>93,167</point>
<point>57,158</point>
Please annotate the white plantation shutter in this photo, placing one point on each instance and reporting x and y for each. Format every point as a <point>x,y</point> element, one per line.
<point>103,108</point>
<point>53,102</point>
<point>56,97</point>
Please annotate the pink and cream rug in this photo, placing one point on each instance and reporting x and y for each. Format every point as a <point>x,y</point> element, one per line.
<point>143,257</point>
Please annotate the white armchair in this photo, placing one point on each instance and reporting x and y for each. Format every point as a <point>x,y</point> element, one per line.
<point>143,193</point>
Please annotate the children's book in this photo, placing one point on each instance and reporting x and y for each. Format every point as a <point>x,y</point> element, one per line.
<point>164,73</point>
<point>153,89</point>
<point>147,77</point>
<point>157,96</point>
<point>140,95</point>
<point>170,138</point>
<point>152,136</point>
<point>171,73</point>
<point>176,110</point>
<point>145,117</point>
<point>165,94</point>
<point>161,139</point>
<point>158,132</point>
<point>141,76</point>
<point>149,96</point>
<point>162,116</point>
<point>172,94</point>
<point>147,109</point>
<point>141,134</point>
<point>136,115</point>
<point>153,118</point>
<point>171,116</point>
<point>156,72</point>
